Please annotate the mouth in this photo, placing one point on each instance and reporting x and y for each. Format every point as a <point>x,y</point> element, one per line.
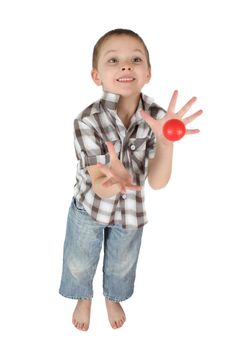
<point>125,79</point>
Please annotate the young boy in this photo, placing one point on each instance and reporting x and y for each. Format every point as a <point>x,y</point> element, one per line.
<point>115,141</point>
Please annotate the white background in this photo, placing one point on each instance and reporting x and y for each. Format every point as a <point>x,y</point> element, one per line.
<point>183,292</point>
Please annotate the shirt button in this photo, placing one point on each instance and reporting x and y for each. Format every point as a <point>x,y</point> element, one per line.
<point>124,196</point>
<point>132,147</point>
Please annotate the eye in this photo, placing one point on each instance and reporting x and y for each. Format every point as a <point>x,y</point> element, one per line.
<point>113,60</point>
<point>137,59</point>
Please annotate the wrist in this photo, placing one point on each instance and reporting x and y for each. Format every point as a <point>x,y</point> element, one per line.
<point>164,144</point>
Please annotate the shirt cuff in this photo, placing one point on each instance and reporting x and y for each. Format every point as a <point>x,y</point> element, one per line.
<point>93,160</point>
<point>151,153</point>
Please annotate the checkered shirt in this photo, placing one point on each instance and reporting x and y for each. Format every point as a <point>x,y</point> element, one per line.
<point>99,123</point>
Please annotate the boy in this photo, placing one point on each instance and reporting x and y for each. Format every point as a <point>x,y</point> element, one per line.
<point>115,140</point>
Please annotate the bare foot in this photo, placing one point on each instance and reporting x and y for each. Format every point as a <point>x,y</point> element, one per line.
<point>116,314</point>
<point>81,315</point>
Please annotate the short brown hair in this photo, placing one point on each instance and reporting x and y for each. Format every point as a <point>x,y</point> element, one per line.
<point>111,33</point>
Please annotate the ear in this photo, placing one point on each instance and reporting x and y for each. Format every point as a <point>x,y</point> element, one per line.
<point>148,75</point>
<point>95,77</point>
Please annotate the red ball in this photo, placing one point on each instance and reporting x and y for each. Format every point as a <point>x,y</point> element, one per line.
<point>174,129</point>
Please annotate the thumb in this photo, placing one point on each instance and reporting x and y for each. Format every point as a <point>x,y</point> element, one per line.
<point>111,150</point>
<point>148,119</point>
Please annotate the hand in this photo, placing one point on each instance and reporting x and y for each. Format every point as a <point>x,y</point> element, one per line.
<point>117,173</point>
<point>157,125</point>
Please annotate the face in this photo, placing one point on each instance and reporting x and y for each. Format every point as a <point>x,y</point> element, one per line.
<point>122,66</point>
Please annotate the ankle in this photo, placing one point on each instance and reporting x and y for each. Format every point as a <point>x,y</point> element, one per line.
<point>84,301</point>
<point>109,301</point>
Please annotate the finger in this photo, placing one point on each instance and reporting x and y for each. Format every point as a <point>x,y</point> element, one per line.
<point>189,119</point>
<point>109,183</point>
<point>130,178</point>
<point>148,119</point>
<point>124,178</point>
<point>104,169</point>
<point>111,150</point>
<point>186,107</point>
<point>123,185</point>
<point>192,131</point>
<point>134,187</point>
<point>172,104</point>
<point>123,189</point>
<point>108,172</point>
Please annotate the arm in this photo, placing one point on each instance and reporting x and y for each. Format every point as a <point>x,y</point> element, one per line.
<point>110,180</point>
<point>107,180</point>
<point>160,167</point>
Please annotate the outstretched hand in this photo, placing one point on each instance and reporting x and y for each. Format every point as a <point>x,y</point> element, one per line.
<point>157,125</point>
<point>117,173</point>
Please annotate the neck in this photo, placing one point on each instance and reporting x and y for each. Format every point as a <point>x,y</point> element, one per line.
<point>126,107</point>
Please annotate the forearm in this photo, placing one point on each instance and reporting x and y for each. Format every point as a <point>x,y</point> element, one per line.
<point>105,192</point>
<point>160,167</point>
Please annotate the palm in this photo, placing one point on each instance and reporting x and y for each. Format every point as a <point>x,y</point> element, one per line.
<point>118,169</point>
<point>117,173</point>
<point>157,125</point>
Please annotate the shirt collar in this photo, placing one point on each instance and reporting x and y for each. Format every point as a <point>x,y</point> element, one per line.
<point>109,100</point>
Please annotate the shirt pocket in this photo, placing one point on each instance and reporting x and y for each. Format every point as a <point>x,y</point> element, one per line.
<point>137,148</point>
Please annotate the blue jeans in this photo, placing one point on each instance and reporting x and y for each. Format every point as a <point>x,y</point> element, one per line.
<point>83,243</point>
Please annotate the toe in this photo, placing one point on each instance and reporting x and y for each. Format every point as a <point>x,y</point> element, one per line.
<point>120,323</point>
<point>114,325</point>
<point>85,327</point>
<point>78,325</point>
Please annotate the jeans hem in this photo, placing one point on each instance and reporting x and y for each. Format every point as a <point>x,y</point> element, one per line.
<point>117,300</point>
<point>76,297</point>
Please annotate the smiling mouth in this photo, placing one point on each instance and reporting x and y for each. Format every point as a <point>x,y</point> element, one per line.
<point>125,79</point>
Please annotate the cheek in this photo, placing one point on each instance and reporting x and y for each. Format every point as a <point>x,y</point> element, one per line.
<point>109,75</point>
<point>145,75</point>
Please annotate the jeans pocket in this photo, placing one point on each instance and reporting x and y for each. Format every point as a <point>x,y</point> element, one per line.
<point>77,205</point>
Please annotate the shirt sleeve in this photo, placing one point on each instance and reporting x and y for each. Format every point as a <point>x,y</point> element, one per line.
<point>89,147</point>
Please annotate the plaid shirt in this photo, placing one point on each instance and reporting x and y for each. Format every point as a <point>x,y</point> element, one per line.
<point>99,123</point>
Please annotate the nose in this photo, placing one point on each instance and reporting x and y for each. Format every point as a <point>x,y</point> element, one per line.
<point>126,67</point>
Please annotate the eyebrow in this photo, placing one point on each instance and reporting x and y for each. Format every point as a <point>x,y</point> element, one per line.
<point>113,51</point>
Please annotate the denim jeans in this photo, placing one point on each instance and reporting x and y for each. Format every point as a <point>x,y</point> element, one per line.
<point>83,243</point>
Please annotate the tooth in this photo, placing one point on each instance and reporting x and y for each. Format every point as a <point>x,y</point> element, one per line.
<point>125,79</point>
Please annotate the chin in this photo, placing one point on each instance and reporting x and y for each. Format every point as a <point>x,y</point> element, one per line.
<point>124,92</point>
<point>130,93</point>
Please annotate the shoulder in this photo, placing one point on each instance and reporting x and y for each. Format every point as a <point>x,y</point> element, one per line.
<point>156,111</point>
<point>152,108</point>
<point>84,115</point>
